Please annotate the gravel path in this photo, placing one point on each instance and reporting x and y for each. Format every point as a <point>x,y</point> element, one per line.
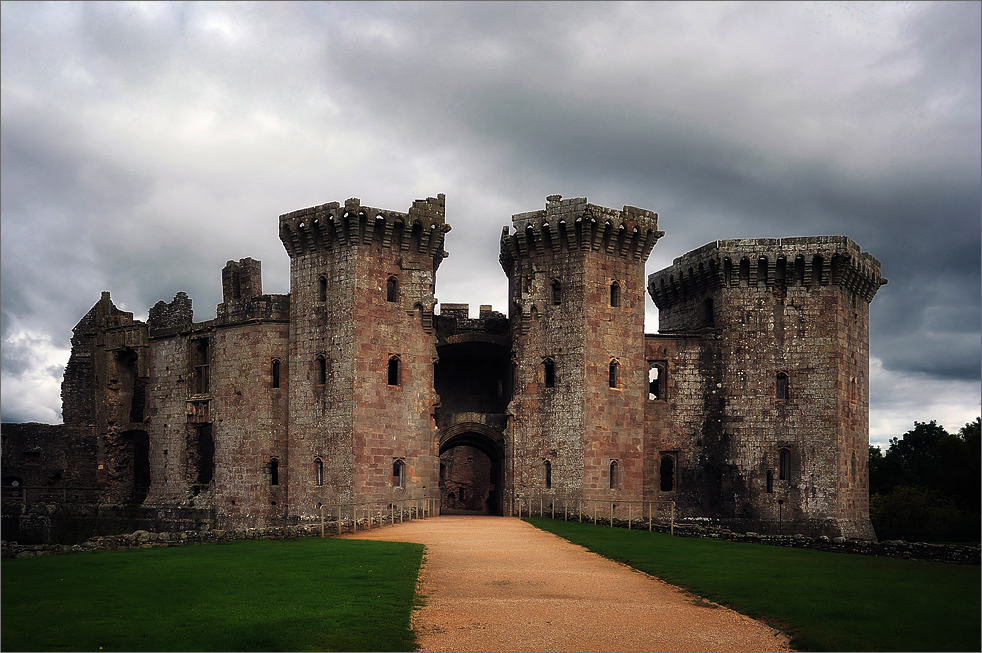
<point>499,584</point>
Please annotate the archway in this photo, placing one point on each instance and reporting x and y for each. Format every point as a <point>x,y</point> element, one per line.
<point>471,469</point>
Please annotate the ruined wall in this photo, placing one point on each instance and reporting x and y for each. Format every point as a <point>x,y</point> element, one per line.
<point>561,264</point>
<point>49,455</point>
<point>791,317</point>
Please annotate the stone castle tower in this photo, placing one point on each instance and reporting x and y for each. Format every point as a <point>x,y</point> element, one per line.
<point>748,409</point>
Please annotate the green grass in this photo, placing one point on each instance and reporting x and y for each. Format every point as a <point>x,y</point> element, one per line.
<point>263,595</point>
<point>825,601</point>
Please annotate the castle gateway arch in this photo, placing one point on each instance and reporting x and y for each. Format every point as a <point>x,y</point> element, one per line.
<point>472,380</point>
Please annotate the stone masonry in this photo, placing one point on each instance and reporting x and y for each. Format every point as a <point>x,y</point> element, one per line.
<point>749,408</point>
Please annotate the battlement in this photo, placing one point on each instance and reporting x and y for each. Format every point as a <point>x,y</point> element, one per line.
<point>768,262</point>
<point>327,226</point>
<point>576,225</point>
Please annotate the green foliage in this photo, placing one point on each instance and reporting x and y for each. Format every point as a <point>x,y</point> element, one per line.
<point>263,595</point>
<point>926,486</point>
<point>825,601</point>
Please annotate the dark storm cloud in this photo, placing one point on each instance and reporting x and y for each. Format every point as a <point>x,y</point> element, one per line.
<point>145,145</point>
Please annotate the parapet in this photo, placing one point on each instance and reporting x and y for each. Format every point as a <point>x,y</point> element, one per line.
<point>176,315</point>
<point>332,225</point>
<point>576,225</point>
<point>752,262</point>
<point>242,279</point>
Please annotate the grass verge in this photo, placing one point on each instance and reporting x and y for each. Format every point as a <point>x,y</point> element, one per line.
<point>824,601</point>
<point>307,594</point>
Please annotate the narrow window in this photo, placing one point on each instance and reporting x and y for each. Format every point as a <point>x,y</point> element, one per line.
<point>784,464</point>
<point>32,458</point>
<point>549,369</point>
<point>770,481</point>
<point>745,271</point>
<point>394,370</point>
<point>398,473</point>
<point>321,370</point>
<point>319,471</point>
<point>656,381</point>
<point>274,471</point>
<point>548,474</point>
<point>612,374</point>
<point>613,475</point>
<point>557,292</point>
<point>781,386</point>
<point>667,473</point>
<point>615,295</point>
<point>708,314</point>
<point>392,289</point>
<point>201,367</point>
<point>322,289</point>
<point>276,373</point>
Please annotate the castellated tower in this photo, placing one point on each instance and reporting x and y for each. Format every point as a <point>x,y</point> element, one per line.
<point>361,397</point>
<point>780,397</point>
<point>576,286</point>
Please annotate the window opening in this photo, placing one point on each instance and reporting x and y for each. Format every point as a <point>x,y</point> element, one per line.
<point>781,389</point>
<point>319,471</point>
<point>549,368</point>
<point>276,373</point>
<point>394,370</point>
<point>613,475</point>
<point>274,471</point>
<point>770,481</point>
<point>667,473</point>
<point>708,314</point>
<point>321,370</point>
<point>557,293</point>
<point>322,289</point>
<point>32,458</point>
<point>201,367</point>
<point>656,381</point>
<point>612,374</point>
<point>548,474</point>
<point>398,473</point>
<point>615,295</point>
<point>392,289</point>
<point>784,466</point>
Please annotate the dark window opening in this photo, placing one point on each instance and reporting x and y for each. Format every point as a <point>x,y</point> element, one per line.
<point>201,367</point>
<point>708,314</point>
<point>319,471</point>
<point>615,295</point>
<point>667,473</point>
<point>549,368</point>
<point>781,386</point>
<point>762,270</point>
<point>745,270</point>
<point>656,381</point>
<point>548,474</point>
<point>612,374</point>
<point>613,475</point>
<point>557,293</point>
<point>321,370</point>
<point>322,289</point>
<point>392,289</point>
<point>275,371</point>
<point>394,370</point>
<point>201,455</point>
<point>274,471</point>
<point>770,481</point>
<point>784,466</point>
<point>398,473</point>
<point>32,458</point>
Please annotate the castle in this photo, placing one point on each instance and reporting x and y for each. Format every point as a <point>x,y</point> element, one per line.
<point>749,408</point>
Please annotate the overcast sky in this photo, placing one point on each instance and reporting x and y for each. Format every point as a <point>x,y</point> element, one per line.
<point>144,145</point>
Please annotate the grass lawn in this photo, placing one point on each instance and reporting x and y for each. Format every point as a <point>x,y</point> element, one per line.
<point>257,595</point>
<point>825,601</point>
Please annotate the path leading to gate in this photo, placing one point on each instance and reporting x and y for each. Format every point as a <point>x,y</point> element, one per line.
<point>500,584</point>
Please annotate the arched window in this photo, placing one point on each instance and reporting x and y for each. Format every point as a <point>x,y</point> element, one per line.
<point>613,475</point>
<point>319,471</point>
<point>392,289</point>
<point>548,466</point>
<point>322,289</point>
<point>615,295</point>
<point>321,370</point>
<point>274,471</point>
<point>656,380</point>
<point>398,473</point>
<point>782,389</point>
<point>667,473</point>
<point>275,372</point>
<point>394,370</point>
<point>549,373</point>
<point>612,374</point>
<point>557,292</point>
<point>784,464</point>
